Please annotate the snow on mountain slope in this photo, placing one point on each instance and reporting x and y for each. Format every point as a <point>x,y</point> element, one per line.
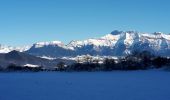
<point>95,42</point>
<point>156,40</point>
<point>22,49</point>
<point>117,43</point>
<point>53,43</point>
<point>128,38</point>
<point>108,40</point>
<point>7,49</point>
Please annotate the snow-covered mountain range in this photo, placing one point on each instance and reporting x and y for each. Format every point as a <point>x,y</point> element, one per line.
<point>7,49</point>
<point>117,43</point>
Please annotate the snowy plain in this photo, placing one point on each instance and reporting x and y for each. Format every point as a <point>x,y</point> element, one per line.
<point>116,85</point>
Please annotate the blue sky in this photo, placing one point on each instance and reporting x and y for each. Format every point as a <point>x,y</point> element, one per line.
<point>28,21</point>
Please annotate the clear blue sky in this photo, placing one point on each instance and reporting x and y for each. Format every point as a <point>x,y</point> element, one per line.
<point>28,21</point>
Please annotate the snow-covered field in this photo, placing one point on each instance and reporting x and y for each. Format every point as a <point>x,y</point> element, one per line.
<point>118,85</point>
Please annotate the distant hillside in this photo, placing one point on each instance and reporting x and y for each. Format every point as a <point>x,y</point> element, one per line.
<point>19,58</point>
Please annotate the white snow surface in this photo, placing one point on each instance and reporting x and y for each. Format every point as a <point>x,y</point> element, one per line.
<point>116,85</point>
<point>46,57</point>
<point>31,65</point>
<point>54,43</point>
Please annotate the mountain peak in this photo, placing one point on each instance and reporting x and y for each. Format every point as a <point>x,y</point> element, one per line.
<point>157,33</point>
<point>116,32</point>
<point>131,32</point>
<point>13,54</point>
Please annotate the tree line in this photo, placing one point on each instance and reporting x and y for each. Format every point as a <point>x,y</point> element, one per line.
<point>135,61</point>
<point>14,68</point>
